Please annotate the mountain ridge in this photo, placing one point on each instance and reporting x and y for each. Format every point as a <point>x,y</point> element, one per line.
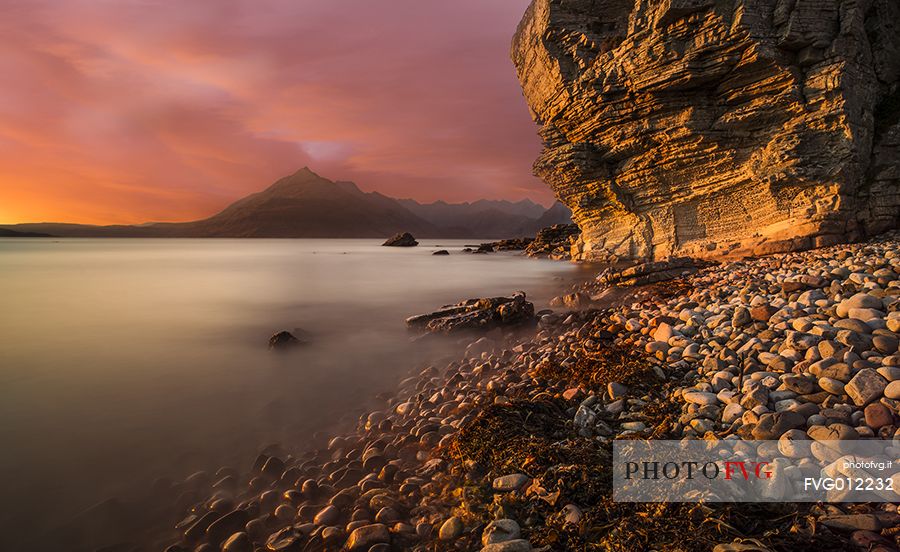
<point>307,205</point>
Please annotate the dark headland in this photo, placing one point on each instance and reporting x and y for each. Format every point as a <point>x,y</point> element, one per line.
<point>5,233</point>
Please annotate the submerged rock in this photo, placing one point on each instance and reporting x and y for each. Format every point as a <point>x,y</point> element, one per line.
<point>475,314</point>
<point>441,252</point>
<point>283,340</point>
<point>401,240</point>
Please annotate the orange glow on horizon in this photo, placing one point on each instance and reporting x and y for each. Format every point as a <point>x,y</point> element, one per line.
<point>125,113</point>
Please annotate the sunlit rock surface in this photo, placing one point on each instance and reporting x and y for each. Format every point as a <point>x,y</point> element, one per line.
<point>702,128</point>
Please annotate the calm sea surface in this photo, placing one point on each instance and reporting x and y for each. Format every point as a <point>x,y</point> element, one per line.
<point>125,360</point>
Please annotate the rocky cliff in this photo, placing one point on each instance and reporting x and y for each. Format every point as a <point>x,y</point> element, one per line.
<point>715,128</point>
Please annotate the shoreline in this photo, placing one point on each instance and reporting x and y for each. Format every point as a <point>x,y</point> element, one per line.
<point>508,448</point>
<point>189,393</point>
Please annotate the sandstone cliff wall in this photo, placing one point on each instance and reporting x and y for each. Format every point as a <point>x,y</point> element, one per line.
<point>715,127</point>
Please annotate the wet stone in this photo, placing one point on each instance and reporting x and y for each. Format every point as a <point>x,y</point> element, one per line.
<point>327,516</point>
<point>273,467</point>
<point>363,538</point>
<point>238,542</point>
<point>226,526</point>
<point>285,540</point>
<point>198,529</point>
<point>387,515</point>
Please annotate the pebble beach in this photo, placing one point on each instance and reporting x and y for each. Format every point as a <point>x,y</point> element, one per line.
<point>507,448</point>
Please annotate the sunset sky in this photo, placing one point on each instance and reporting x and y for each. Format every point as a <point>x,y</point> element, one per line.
<point>126,111</point>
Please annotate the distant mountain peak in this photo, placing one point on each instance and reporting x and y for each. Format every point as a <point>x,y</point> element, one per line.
<point>305,204</point>
<point>300,175</point>
<point>299,182</point>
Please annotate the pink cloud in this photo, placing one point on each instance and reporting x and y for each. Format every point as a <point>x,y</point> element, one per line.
<point>128,110</point>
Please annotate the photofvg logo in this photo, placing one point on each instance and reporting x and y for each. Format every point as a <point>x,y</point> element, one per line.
<point>756,471</point>
<point>690,470</point>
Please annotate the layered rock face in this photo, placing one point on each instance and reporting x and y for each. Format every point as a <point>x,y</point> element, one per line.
<point>715,128</point>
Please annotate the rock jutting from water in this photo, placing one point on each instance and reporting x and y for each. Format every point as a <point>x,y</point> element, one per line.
<point>404,239</point>
<point>706,129</point>
<point>511,244</point>
<point>475,315</point>
<point>283,340</point>
<point>554,241</point>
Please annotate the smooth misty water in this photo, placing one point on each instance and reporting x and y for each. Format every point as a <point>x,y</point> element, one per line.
<point>126,360</point>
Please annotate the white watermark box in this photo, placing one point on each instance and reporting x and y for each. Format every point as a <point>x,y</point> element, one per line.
<point>756,471</point>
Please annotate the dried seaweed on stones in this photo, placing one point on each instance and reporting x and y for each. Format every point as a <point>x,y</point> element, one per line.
<point>594,369</point>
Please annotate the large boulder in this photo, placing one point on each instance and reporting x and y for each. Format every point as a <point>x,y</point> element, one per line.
<point>401,240</point>
<point>704,129</point>
<point>554,241</point>
<point>649,273</point>
<point>475,314</point>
